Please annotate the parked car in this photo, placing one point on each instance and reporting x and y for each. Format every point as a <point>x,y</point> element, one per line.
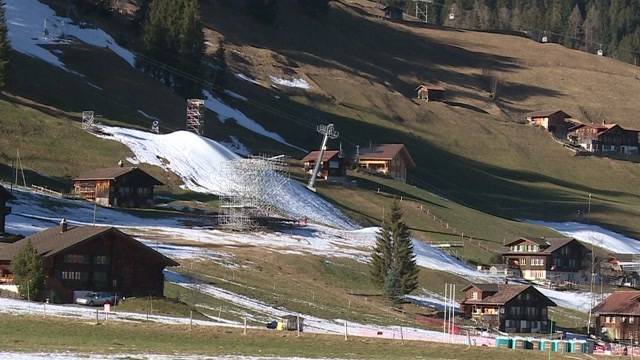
<point>97,299</point>
<point>272,325</point>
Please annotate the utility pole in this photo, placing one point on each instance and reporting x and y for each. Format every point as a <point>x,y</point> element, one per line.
<point>329,132</point>
<point>593,268</point>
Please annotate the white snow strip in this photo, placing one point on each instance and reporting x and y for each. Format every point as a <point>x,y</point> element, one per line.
<point>569,299</point>
<point>198,161</point>
<point>26,19</point>
<point>226,112</point>
<point>235,95</point>
<point>23,307</point>
<point>318,325</point>
<point>94,86</point>
<point>294,83</point>
<point>247,78</point>
<point>150,117</point>
<point>593,234</point>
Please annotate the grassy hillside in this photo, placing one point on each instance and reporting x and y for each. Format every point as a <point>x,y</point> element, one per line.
<point>363,70</point>
<point>118,338</point>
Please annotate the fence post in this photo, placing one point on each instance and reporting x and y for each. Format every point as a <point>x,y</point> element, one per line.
<point>220,313</point>
<point>245,325</point>
<point>298,324</point>
<point>190,320</point>
<point>401,334</point>
<point>97,319</point>
<point>345,331</point>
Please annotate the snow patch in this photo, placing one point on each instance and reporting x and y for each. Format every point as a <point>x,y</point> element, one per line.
<point>150,117</point>
<point>198,161</point>
<point>235,95</point>
<point>226,112</point>
<point>25,22</point>
<point>294,83</point>
<point>247,78</point>
<point>593,234</point>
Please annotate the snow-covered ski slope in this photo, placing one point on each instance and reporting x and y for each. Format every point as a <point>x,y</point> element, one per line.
<point>198,161</point>
<point>26,24</point>
<point>596,235</point>
<point>32,213</point>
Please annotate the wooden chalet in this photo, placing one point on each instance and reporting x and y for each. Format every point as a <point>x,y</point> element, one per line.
<point>605,138</point>
<point>429,92</point>
<point>618,316</point>
<point>507,307</point>
<point>332,165</point>
<point>386,159</point>
<point>117,187</point>
<point>5,196</point>
<point>555,121</point>
<point>549,259</point>
<point>393,13</point>
<point>92,258</point>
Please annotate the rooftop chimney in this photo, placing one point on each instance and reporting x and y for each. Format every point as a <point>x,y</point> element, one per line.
<point>63,225</point>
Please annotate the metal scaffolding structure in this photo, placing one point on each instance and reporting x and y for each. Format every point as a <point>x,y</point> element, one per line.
<point>422,9</point>
<point>257,181</point>
<point>89,121</point>
<point>195,115</point>
<point>329,132</point>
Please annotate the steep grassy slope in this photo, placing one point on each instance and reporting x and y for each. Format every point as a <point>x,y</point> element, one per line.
<point>363,71</point>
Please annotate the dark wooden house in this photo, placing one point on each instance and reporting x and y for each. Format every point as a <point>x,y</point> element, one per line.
<point>429,92</point>
<point>556,260</point>
<point>555,121</point>
<point>393,13</point>
<point>332,165</point>
<point>605,138</point>
<point>92,258</point>
<point>618,316</point>
<point>5,196</point>
<point>392,160</point>
<point>507,307</point>
<point>117,187</point>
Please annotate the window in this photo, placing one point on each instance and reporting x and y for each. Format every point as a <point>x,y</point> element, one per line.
<point>631,319</point>
<point>474,295</point>
<point>102,260</point>
<point>522,261</point>
<point>572,263</point>
<point>537,262</point>
<point>76,259</point>
<point>531,311</point>
<point>334,165</point>
<point>73,275</point>
<point>124,190</point>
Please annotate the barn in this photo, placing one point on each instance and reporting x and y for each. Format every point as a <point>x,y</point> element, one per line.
<point>92,258</point>
<point>117,187</point>
<point>332,164</point>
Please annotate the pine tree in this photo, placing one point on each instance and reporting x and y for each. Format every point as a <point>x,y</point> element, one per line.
<point>392,287</point>
<point>403,257</point>
<point>5,47</point>
<point>382,253</point>
<point>28,272</point>
<point>394,251</point>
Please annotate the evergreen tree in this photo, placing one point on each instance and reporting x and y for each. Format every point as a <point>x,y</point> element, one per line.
<point>392,287</point>
<point>5,47</point>
<point>381,255</point>
<point>173,34</point>
<point>393,254</point>
<point>28,272</point>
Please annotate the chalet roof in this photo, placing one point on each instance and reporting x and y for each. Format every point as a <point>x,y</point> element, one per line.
<point>52,241</point>
<point>392,8</point>
<point>547,245</point>
<point>620,302</point>
<point>5,194</point>
<point>506,293</point>
<point>601,128</point>
<point>547,113</point>
<point>483,287</point>
<point>327,156</point>
<point>112,174</point>
<point>385,152</point>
